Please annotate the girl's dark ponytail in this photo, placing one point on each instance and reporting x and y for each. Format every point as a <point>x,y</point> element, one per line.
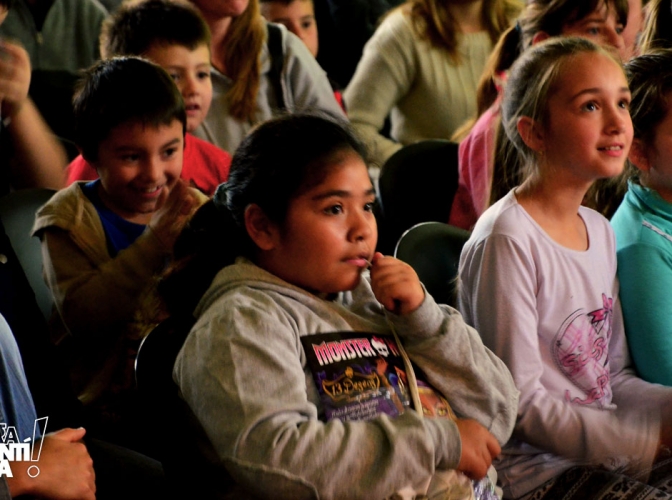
<point>210,241</point>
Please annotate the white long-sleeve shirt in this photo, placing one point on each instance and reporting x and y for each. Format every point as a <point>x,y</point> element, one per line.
<point>552,315</point>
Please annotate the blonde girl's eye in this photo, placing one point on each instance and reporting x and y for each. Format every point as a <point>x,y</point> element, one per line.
<point>589,106</point>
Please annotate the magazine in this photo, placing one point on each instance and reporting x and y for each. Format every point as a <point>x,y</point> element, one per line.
<point>358,375</point>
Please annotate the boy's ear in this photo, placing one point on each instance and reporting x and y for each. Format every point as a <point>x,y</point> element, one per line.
<point>263,232</point>
<point>540,36</point>
<point>638,157</point>
<point>531,133</point>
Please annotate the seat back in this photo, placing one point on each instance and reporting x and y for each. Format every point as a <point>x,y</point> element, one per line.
<point>178,439</point>
<point>416,184</point>
<point>17,212</point>
<point>433,250</point>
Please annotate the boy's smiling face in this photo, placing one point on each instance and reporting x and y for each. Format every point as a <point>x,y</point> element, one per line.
<point>136,163</point>
<point>190,69</point>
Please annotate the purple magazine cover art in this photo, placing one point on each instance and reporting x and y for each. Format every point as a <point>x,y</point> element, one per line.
<point>359,375</point>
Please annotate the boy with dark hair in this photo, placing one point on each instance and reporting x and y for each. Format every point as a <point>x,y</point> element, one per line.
<point>172,34</point>
<point>106,242</point>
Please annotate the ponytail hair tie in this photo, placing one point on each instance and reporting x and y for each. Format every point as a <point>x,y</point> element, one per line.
<point>220,198</point>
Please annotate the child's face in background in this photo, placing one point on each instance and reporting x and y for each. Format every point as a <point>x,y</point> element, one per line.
<point>588,131</point>
<point>602,27</point>
<point>298,17</point>
<point>190,69</point>
<point>135,164</point>
<point>329,232</point>
<point>658,153</point>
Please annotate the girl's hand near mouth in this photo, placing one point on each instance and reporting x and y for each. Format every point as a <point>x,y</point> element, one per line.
<point>395,284</point>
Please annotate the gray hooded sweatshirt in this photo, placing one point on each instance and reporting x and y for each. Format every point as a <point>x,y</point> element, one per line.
<point>243,372</point>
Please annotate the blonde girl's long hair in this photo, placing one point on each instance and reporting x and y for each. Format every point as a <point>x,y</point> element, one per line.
<point>432,21</point>
<point>657,31</point>
<point>242,60</point>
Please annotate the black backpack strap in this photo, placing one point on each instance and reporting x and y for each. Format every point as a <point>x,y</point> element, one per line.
<point>274,43</point>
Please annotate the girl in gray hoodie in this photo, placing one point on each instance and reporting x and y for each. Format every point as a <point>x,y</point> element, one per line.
<point>286,252</point>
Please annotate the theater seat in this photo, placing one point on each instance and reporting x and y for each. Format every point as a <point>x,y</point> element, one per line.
<point>433,250</point>
<point>416,184</point>
<point>17,212</point>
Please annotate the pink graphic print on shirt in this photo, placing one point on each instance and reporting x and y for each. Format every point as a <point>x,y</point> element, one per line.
<point>580,350</point>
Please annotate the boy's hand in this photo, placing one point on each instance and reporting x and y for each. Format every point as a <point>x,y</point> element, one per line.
<point>395,284</point>
<point>66,469</point>
<point>14,77</point>
<point>174,209</point>
<point>479,448</point>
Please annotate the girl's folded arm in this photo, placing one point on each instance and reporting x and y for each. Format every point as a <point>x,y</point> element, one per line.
<point>452,355</point>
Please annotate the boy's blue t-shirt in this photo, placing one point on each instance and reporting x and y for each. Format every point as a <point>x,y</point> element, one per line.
<point>119,232</point>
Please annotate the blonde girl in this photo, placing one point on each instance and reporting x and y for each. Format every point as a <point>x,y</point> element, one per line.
<point>538,280</point>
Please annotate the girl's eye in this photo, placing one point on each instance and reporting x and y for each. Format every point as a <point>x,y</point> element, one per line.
<point>593,31</point>
<point>625,104</point>
<point>590,106</point>
<point>306,24</point>
<point>175,77</point>
<point>369,206</point>
<point>203,75</point>
<point>334,210</point>
<point>620,29</point>
<point>130,157</point>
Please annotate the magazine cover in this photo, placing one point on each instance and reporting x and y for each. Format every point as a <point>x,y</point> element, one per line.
<point>359,375</point>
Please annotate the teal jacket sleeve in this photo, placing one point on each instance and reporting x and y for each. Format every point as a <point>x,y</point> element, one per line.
<point>645,275</point>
